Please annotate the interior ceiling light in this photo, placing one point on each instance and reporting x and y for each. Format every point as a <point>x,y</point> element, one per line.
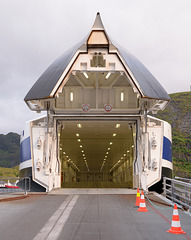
<point>64,153</point>
<point>81,146</point>
<point>77,134</point>
<point>71,97</point>
<point>128,151</point>
<point>79,140</point>
<point>108,74</point>
<point>114,134</point>
<point>108,149</point>
<point>110,143</point>
<point>124,154</point>
<point>82,151</point>
<point>85,74</point>
<point>79,125</point>
<point>107,152</point>
<point>117,125</point>
<point>132,146</point>
<point>122,96</point>
<point>60,148</point>
<point>83,155</point>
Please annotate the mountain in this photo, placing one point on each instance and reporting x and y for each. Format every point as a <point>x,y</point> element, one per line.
<point>178,114</point>
<point>9,150</point>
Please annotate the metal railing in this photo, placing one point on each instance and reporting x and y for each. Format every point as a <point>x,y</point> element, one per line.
<point>178,192</point>
<point>15,185</point>
<point>183,179</point>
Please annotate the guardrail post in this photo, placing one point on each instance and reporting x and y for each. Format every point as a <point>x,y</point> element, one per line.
<point>164,186</point>
<point>188,197</point>
<point>25,186</point>
<point>186,194</point>
<point>172,190</point>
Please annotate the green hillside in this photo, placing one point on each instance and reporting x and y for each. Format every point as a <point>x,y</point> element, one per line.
<point>9,150</point>
<point>178,114</point>
<point>9,172</point>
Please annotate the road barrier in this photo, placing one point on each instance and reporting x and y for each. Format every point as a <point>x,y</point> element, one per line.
<point>178,192</point>
<point>175,224</point>
<point>137,203</point>
<point>142,204</point>
<point>14,185</point>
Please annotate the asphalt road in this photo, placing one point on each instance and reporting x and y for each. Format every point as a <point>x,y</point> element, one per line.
<point>86,217</point>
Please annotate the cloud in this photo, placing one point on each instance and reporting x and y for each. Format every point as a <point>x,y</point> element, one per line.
<point>34,33</point>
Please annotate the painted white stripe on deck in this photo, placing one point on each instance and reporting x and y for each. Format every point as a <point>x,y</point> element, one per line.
<point>54,234</point>
<point>58,218</point>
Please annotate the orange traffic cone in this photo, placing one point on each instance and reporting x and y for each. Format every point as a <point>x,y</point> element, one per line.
<point>137,198</point>
<point>175,225</point>
<point>142,205</point>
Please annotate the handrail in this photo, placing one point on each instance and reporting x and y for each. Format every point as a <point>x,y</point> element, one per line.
<point>15,185</point>
<point>183,179</point>
<point>177,191</point>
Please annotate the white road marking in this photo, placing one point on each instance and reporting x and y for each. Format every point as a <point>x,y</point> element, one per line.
<point>53,227</point>
<point>54,234</point>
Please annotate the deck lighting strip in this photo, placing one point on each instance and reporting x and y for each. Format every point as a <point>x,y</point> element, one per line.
<point>85,74</point>
<point>108,74</point>
<point>119,161</point>
<point>104,160</point>
<point>79,140</point>
<point>69,160</point>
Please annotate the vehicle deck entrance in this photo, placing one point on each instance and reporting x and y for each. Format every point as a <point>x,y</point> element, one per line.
<point>96,154</point>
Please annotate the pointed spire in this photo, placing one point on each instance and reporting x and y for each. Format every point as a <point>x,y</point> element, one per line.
<point>98,25</point>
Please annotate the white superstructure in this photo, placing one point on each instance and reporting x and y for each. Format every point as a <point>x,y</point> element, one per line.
<point>97,129</point>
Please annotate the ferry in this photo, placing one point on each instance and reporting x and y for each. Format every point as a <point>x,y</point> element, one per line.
<point>99,129</point>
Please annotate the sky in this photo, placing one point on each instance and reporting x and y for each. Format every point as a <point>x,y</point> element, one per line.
<point>33,33</point>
